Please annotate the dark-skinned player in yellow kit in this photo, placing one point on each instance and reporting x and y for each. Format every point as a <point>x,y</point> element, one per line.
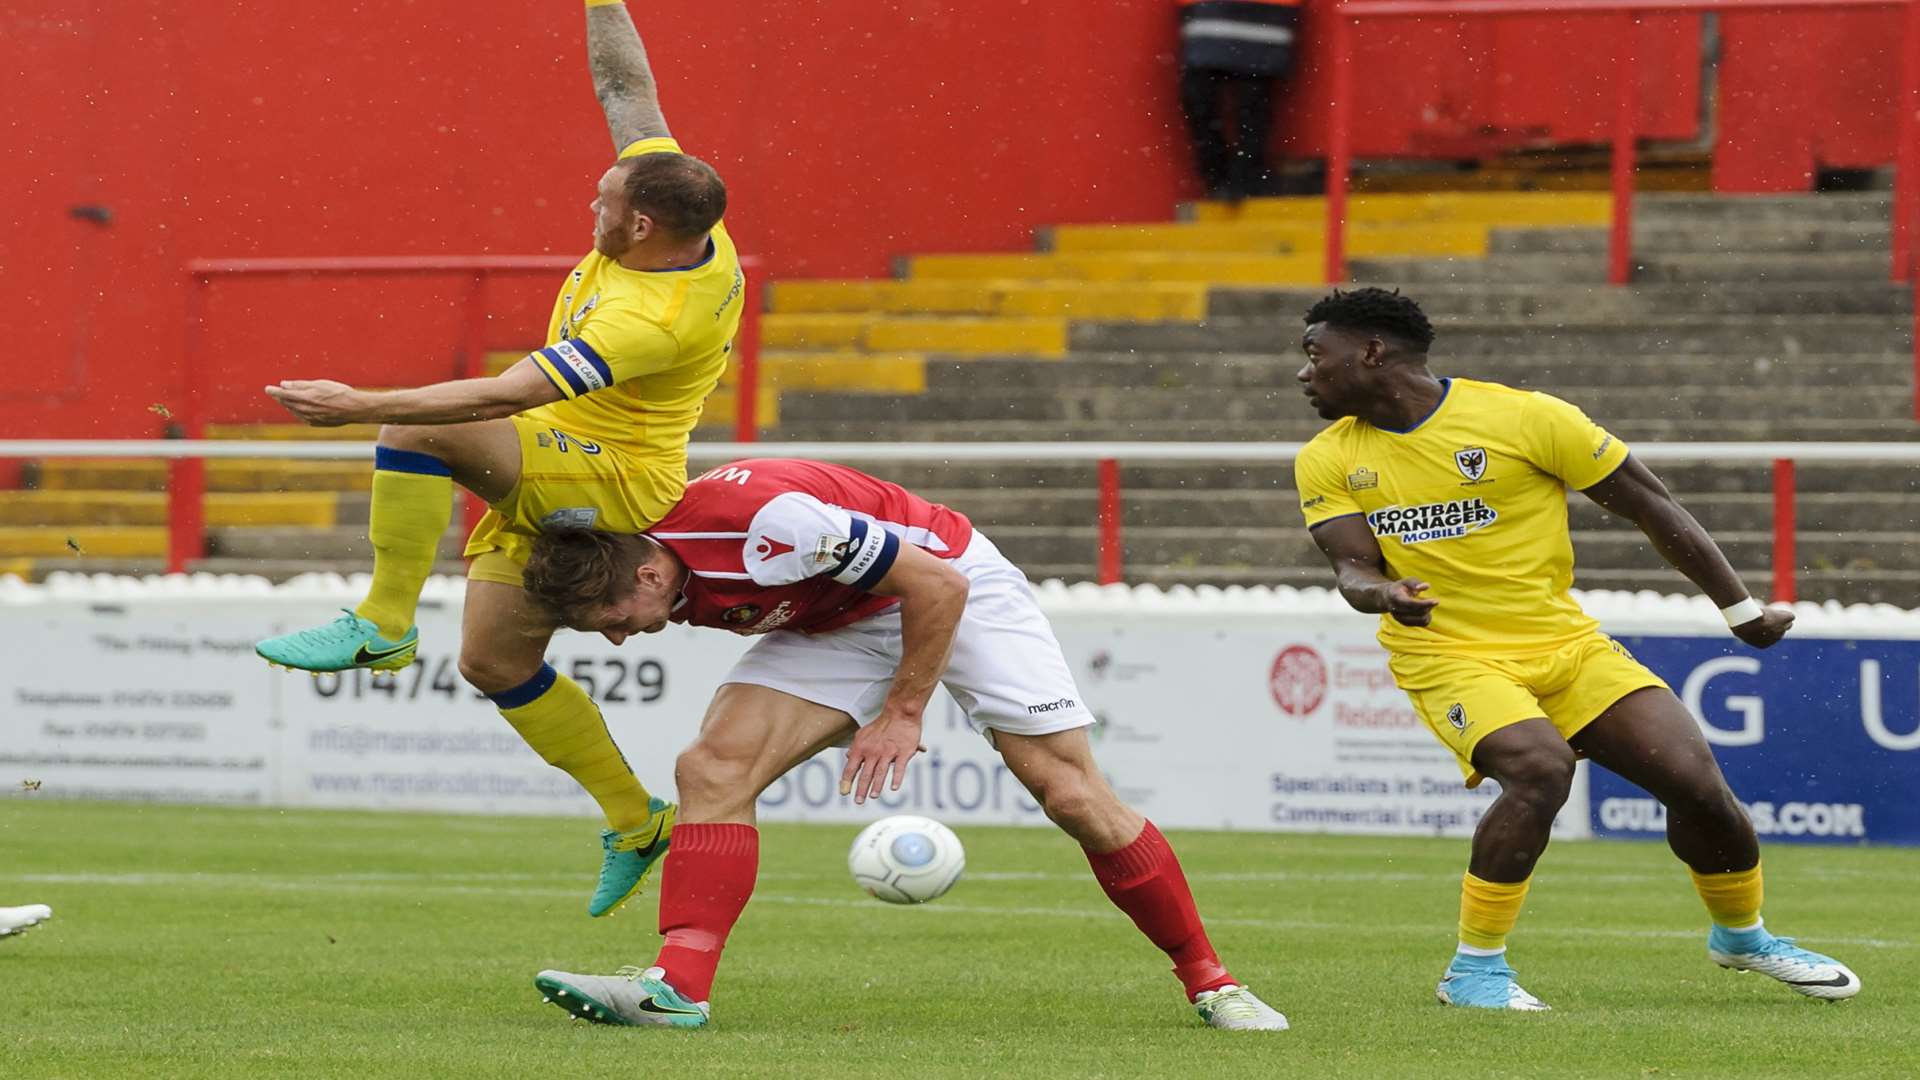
<point>1441,503</point>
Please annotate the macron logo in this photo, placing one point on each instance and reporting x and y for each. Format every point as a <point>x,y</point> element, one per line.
<point>769,548</point>
<point>1051,706</point>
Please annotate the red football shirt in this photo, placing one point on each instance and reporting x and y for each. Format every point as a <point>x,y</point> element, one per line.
<point>779,543</point>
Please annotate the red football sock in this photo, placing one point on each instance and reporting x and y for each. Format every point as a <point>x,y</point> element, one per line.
<point>1144,880</point>
<point>704,885</point>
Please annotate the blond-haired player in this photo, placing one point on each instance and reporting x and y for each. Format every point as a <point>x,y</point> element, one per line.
<point>589,431</point>
<point>1442,505</point>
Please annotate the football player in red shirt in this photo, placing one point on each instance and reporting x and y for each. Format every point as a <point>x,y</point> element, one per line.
<point>865,596</point>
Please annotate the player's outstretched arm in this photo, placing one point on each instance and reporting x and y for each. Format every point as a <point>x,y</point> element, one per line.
<point>933,597</point>
<point>1360,571</point>
<point>622,78</point>
<point>325,403</point>
<point>1634,493</point>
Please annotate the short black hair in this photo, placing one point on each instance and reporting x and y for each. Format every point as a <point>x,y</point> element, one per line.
<point>1377,310</point>
<point>682,194</point>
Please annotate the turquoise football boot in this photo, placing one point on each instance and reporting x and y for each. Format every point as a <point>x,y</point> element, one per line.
<point>1808,972</point>
<point>629,857</point>
<point>630,997</point>
<point>1484,982</point>
<point>345,643</point>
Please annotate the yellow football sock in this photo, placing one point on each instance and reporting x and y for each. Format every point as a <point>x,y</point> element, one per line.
<point>412,504</point>
<point>1733,899</point>
<point>565,728</point>
<point>1488,910</point>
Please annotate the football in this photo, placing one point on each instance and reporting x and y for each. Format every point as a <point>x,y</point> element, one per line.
<point>906,859</point>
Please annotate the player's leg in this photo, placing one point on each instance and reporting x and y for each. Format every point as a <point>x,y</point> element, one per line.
<point>1495,726</point>
<point>1006,661</point>
<point>414,471</point>
<point>503,643</point>
<point>750,737</point>
<point>1650,739</point>
<point>1135,866</point>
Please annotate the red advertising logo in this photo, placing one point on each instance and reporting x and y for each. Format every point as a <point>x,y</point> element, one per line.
<point>1298,680</point>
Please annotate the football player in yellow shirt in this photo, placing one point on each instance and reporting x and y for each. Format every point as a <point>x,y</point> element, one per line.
<point>589,431</point>
<point>1441,503</point>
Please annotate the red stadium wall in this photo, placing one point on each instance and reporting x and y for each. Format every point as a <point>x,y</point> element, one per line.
<point>850,132</point>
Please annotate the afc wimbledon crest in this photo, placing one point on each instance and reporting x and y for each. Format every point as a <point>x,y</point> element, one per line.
<point>1472,462</point>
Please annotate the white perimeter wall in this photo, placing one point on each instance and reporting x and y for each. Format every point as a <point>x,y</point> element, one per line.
<point>1242,709</point>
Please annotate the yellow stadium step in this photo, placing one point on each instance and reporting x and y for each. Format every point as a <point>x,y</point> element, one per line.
<point>497,362</point>
<point>235,474</point>
<point>1507,209</point>
<point>81,540</point>
<point>883,333</point>
<point>1226,269</point>
<point>1277,237</point>
<point>721,406</point>
<point>843,372</point>
<point>20,567</point>
<point>1142,302</point>
<point>294,432</point>
<point>61,508</point>
<point>835,331</point>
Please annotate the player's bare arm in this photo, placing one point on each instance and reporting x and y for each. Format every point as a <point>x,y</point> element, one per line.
<point>325,403</point>
<point>622,78</point>
<point>933,596</point>
<point>1634,493</point>
<point>1360,573</point>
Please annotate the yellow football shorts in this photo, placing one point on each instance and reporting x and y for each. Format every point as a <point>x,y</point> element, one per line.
<point>1464,699</point>
<point>567,480</point>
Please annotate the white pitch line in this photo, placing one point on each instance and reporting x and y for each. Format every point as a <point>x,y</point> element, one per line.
<point>352,883</point>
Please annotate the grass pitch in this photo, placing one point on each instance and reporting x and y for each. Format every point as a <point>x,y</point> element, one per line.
<point>261,943</point>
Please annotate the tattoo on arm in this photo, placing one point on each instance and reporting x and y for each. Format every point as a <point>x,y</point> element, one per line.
<point>622,80</point>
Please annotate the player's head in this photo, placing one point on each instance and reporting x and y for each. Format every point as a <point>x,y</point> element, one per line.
<point>1353,342</point>
<point>665,198</point>
<point>614,584</point>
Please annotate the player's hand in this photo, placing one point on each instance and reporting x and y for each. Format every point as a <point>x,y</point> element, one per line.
<point>1405,603</point>
<point>1770,627</point>
<point>886,744</point>
<point>320,402</point>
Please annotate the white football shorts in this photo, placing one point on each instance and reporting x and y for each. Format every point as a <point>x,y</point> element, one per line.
<point>1007,672</point>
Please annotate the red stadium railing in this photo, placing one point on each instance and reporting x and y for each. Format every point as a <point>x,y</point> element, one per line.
<point>187,475</point>
<point>1110,556</point>
<point>1344,21</point>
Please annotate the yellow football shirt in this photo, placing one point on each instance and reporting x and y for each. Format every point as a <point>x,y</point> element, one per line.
<point>1473,501</point>
<point>636,352</point>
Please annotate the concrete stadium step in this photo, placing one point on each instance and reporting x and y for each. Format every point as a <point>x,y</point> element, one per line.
<point>1753,335</point>
<point>1859,207</point>
<point>883,333</point>
<point>1862,478</point>
<point>1255,237</point>
<point>1143,301</point>
<point>1681,237</point>
<point>1205,405</point>
<point>1555,374</point>
<point>63,508</point>
<point>1861,551</point>
<point>339,542</point>
<point>994,507</point>
<point>1530,304</point>
<point>1120,267</point>
<point>1591,269</point>
<point>880,426</point>
<point>223,475</point>
<point>1830,512</point>
<point>1509,208</point>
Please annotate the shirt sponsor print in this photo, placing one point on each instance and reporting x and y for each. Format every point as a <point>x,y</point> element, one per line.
<point>1447,520</point>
